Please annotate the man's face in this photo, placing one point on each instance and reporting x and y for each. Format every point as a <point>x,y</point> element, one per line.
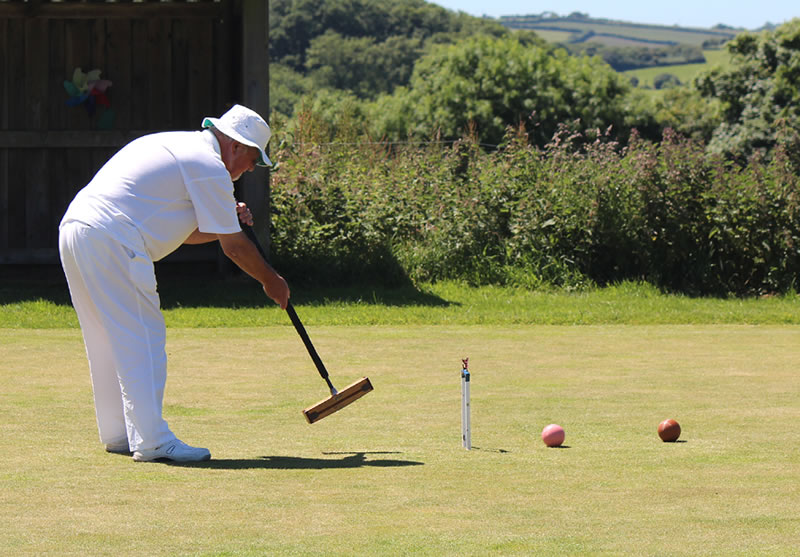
<point>241,159</point>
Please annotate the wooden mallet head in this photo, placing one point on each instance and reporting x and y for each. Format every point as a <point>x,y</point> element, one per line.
<point>336,402</point>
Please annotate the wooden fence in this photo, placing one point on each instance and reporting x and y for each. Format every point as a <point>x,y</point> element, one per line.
<point>170,64</point>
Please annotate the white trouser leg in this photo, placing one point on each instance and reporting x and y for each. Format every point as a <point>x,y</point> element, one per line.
<point>113,289</point>
<point>105,384</point>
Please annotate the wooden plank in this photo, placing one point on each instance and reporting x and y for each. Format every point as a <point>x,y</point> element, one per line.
<point>181,74</point>
<point>18,181</point>
<point>119,58</point>
<point>137,96</point>
<point>77,54</point>
<point>66,139</point>
<point>159,84</point>
<point>97,44</point>
<point>226,81</point>
<point>35,192</point>
<point>268,193</point>
<point>35,52</point>
<point>4,107</point>
<point>99,157</point>
<point>59,196</point>
<point>200,98</point>
<point>37,199</point>
<point>4,207</point>
<point>15,75</point>
<point>82,161</point>
<point>255,55</point>
<point>224,70</point>
<point>4,54</point>
<point>76,175</point>
<point>266,77</point>
<point>56,94</point>
<point>254,186</point>
<point>99,57</point>
<point>36,256</point>
<point>16,167</point>
<point>101,10</point>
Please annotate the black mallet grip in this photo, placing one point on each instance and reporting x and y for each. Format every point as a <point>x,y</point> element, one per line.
<point>310,347</point>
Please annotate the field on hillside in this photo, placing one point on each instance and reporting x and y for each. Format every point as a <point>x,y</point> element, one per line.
<point>554,36</point>
<point>637,34</point>
<point>685,72</point>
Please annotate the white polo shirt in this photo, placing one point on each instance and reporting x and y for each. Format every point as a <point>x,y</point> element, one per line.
<point>157,190</point>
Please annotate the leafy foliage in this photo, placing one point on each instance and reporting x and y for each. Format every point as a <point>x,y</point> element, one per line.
<point>695,190</point>
<point>365,46</point>
<point>760,92</point>
<point>581,210</point>
<point>666,81</point>
<point>493,83</point>
<point>360,64</point>
<point>623,58</point>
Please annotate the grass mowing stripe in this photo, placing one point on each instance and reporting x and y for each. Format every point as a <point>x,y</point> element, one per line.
<point>242,303</point>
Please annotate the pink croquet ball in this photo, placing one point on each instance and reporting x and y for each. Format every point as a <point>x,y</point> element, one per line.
<point>553,435</point>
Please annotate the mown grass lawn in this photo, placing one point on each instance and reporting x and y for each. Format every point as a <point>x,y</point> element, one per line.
<point>388,475</point>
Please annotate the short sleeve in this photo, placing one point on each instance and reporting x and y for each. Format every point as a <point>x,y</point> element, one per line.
<point>214,205</point>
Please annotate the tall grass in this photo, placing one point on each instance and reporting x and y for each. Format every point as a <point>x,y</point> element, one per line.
<point>582,211</point>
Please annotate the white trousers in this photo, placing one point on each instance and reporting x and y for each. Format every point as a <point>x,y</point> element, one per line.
<point>113,290</point>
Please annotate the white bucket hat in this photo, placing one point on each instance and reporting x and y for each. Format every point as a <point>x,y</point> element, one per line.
<point>246,127</point>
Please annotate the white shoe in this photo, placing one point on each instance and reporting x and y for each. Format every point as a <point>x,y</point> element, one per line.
<point>118,448</point>
<point>176,450</point>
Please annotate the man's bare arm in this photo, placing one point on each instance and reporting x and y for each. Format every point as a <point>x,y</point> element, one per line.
<point>245,254</point>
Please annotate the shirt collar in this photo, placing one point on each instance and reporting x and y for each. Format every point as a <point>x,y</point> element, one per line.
<point>212,141</point>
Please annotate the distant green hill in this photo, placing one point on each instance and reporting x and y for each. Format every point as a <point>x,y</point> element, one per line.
<point>628,46</point>
<point>579,28</point>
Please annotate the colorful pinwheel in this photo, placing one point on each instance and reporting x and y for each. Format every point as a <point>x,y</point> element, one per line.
<point>87,89</point>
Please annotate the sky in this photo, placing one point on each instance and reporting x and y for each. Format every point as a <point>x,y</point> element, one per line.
<point>747,14</point>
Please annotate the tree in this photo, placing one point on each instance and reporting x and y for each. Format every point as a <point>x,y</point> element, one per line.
<point>666,81</point>
<point>684,110</point>
<point>294,24</point>
<point>494,83</point>
<point>760,92</point>
<point>361,65</point>
<point>286,88</point>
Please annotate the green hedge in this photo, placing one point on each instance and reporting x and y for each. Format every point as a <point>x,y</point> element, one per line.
<point>579,212</point>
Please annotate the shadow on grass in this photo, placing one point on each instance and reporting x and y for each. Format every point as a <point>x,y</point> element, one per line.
<point>353,460</point>
<point>243,292</point>
<point>198,285</point>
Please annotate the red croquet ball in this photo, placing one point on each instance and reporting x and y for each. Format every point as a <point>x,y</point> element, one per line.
<point>669,430</point>
<point>553,435</point>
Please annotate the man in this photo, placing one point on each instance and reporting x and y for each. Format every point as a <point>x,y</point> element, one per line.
<point>158,192</point>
